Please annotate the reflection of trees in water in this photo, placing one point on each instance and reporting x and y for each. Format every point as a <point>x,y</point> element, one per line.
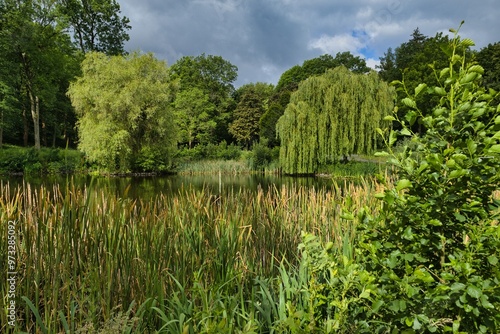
<point>148,187</point>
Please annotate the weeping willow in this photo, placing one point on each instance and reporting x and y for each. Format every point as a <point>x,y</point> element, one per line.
<point>332,116</point>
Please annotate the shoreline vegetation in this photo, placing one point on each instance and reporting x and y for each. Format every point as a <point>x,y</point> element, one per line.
<point>18,161</point>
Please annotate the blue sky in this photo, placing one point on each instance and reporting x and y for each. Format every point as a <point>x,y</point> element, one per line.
<point>264,38</point>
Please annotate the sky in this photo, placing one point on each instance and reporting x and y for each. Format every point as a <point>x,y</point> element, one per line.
<point>264,38</point>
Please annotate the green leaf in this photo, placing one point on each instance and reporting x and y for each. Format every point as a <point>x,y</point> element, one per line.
<point>405,132</point>
<point>39,321</point>
<point>443,72</point>
<point>457,173</point>
<point>467,42</point>
<point>347,216</point>
<point>365,294</point>
<point>416,324</point>
<point>377,304</point>
<point>411,117</point>
<point>493,260</point>
<point>403,184</point>
<point>460,217</point>
<point>469,77</point>
<point>477,69</point>
<point>486,303</point>
<point>472,146</point>
<point>392,137</point>
<point>440,91</point>
<point>457,287</point>
<point>419,88</point>
<point>381,154</point>
<point>494,149</point>
<point>409,102</point>
<point>474,291</point>
<point>389,118</point>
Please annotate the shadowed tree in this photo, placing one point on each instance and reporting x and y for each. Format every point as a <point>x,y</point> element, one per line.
<point>96,25</point>
<point>251,106</point>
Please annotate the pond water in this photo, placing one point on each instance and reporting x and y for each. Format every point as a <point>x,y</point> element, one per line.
<point>146,187</point>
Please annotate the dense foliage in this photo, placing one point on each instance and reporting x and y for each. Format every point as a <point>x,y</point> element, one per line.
<point>38,59</point>
<point>330,117</point>
<point>125,119</point>
<point>428,261</point>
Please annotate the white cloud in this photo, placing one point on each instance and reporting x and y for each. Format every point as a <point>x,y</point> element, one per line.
<point>337,43</point>
<point>372,63</point>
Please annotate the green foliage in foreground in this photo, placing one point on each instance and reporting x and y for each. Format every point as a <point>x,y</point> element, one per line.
<point>428,261</point>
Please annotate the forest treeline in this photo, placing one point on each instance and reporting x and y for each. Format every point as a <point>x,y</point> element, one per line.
<point>67,81</point>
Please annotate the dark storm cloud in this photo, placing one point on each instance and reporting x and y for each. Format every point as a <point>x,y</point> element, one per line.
<point>263,38</point>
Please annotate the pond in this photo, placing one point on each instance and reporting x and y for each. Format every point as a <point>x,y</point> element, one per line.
<point>147,187</point>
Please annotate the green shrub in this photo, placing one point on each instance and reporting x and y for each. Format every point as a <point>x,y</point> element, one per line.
<point>44,161</point>
<point>428,262</point>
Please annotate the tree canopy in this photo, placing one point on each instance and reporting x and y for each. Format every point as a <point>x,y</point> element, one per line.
<point>331,116</point>
<point>251,106</point>
<point>125,121</point>
<point>489,58</point>
<point>214,77</point>
<point>96,25</point>
<point>413,63</point>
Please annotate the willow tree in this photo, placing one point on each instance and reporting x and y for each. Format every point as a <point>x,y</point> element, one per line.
<point>123,104</point>
<point>331,116</point>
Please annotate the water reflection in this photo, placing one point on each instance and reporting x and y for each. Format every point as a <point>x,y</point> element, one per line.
<point>147,187</point>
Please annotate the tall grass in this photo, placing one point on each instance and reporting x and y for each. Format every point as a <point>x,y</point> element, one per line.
<point>232,167</point>
<point>86,257</point>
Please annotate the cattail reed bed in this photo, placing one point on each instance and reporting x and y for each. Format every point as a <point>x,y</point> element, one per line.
<point>86,255</point>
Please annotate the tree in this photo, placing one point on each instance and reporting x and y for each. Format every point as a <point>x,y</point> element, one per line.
<point>387,68</point>
<point>267,124</point>
<point>318,66</point>
<point>489,58</point>
<point>36,48</point>
<point>332,116</point>
<point>290,79</point>
<point>194,117</point>
<point>96,25</point>
<point>413,62</point>
<point>251,106</point>
<point>124,117</point>
<point>214,76</point>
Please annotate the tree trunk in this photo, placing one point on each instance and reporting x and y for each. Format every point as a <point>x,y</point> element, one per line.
<point>35,114</point>
<point>26,128</point>
<point>54,135</point>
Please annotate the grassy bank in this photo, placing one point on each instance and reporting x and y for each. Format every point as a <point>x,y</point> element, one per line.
<point>194,262</point>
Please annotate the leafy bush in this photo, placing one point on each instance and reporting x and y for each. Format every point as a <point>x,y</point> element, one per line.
<point>46,160</point>
<point>221,151</point>
<point>428,262</point>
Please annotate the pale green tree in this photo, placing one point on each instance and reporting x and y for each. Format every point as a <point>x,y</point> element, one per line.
<point>194,111</point>
<point>125,121</point>
<point>332,116</point>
